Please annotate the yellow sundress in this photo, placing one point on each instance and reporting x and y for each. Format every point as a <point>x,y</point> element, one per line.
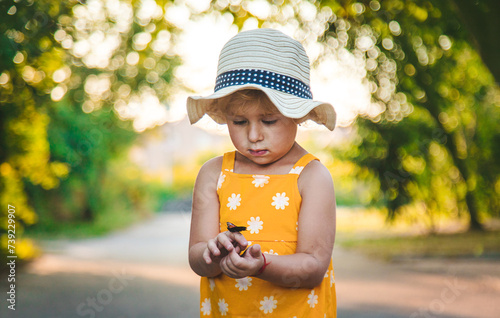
<point>269,205</point>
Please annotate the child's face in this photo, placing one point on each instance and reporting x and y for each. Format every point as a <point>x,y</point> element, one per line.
<point>261,136</point>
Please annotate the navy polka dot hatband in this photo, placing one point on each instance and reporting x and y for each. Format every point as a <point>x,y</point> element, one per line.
<point>267,79</point>
<point>270,61</point>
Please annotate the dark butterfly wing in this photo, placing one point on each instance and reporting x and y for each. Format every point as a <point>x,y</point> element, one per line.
<point>233,228</point>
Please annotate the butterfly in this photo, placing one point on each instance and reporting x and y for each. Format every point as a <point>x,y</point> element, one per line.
<point>233,228</point>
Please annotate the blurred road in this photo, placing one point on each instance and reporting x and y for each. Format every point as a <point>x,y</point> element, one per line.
<point>143,272</point>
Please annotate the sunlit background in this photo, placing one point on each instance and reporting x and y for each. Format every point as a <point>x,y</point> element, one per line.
<point>95,138</point>
<point>103,86</point>
<point>337,77</point>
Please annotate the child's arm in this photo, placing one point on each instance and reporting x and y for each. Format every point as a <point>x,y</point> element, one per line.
<point>206,245</point>
<point>306,268</point>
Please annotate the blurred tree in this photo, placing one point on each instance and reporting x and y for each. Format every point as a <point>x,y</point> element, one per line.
<point>431,135</point>
<point>24,148</point>
<point>118,68</point>
<point>76,80</point>
<point>481,19</point>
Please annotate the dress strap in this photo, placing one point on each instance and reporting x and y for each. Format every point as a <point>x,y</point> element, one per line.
<point>302,162</point>
<point>228,161</point>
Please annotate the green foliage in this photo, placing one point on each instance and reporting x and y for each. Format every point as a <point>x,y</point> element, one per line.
<point>88,143</point>
<point>481,19</point>
<point>24,148</point>
<point>73,79</point>
<point>426,145</point>
<point>125,197</point>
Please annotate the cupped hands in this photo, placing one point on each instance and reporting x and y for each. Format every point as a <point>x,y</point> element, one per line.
<point>222,245</point>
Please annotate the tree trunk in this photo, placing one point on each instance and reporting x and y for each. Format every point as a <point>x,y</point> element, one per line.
<point>482,21</point>
<point>87,215</point>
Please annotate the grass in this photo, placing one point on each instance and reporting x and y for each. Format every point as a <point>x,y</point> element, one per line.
<point>104,224</point>
<point>117,213</point>
<point>366,231</point>
<point>468,244</point>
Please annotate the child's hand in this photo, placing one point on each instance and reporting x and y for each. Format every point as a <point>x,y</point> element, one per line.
<point>236,266</point>
<point>222,244</point>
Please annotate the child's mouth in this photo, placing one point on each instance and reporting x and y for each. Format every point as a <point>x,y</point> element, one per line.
<point>257,152</point>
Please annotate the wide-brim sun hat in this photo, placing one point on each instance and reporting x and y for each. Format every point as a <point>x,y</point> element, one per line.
<point>270,61</point>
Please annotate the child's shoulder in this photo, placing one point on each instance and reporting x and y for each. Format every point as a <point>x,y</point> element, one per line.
<point>209,174</point>
<point>315,175</point>
<point>213,165</point>
<point>315,168</point>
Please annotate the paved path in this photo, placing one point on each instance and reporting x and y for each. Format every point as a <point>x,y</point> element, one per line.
<point>143,272</point>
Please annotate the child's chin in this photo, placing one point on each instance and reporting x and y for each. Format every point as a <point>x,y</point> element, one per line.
<point>262,161</point>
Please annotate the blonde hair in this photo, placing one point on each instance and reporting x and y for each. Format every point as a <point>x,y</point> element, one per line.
<point>237,103</point>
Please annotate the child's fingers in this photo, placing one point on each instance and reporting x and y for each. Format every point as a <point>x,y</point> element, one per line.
<point>225,268</point>
<point>238,265</point>
<point>231,242</point>
<point>239,238</point>
<point>206,256</point>
<point>225,241</point>
<point>235,260</point>
<point>230,265</point>
<point>254,251</point>
<point>213,248</point>
<point>254,258</point>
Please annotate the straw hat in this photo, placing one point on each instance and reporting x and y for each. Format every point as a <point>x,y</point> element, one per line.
<point>270,61</point>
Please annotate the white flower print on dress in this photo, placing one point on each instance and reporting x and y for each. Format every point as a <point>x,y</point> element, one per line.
<point>223,307</point>
<point>268,304</point>
<point>243,283</point>
<point>222,177</point>
<point>234,201</point>
<point>271,252</point>
<point>332,278</point>
<point>313,299</point>
<point>260,180</point>
<point>211,283</point>
<point>280,201</point>
<point>254,225</point>
<point>296,170</point>
<point>206,307</point>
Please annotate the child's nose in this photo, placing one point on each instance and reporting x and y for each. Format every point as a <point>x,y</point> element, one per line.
<point>255,133</point>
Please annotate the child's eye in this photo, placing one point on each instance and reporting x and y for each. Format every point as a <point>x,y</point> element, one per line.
<point>239,122</point>
<point>269,122</point>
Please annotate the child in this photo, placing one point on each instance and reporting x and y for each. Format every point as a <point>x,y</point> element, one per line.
<point>273,258</point>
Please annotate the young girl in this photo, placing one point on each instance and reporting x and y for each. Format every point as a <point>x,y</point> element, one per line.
<point>263,217</point>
